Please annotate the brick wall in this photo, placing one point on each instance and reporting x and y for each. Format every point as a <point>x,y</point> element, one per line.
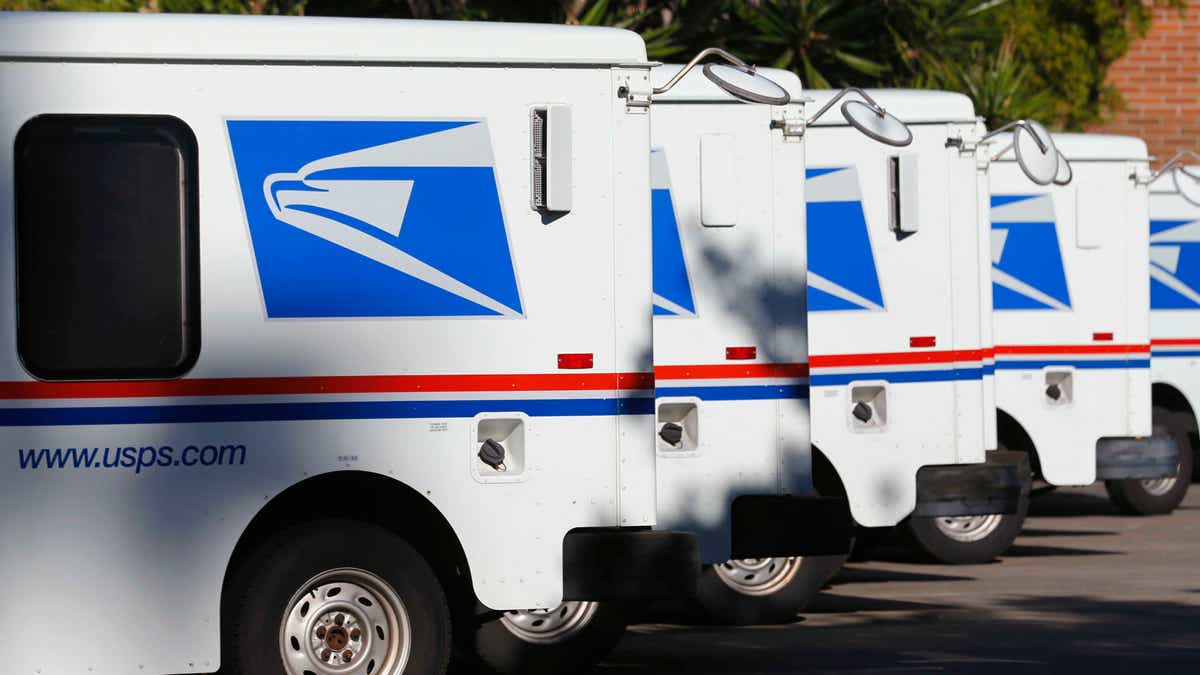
<point>1160,80</point>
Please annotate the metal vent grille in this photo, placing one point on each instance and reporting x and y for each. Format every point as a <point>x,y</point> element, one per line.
<point>537,134</point>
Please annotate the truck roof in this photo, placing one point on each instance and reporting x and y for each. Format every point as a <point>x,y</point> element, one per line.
<point>1101,147</point>
<point>913,106</point>
<point>208,38</point>
<point>697,88</point>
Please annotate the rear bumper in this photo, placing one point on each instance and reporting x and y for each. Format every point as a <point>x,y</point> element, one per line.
<point>1141,457</point>
<point>628,564</point>
<point>995,486</point>
<point>768,526</point>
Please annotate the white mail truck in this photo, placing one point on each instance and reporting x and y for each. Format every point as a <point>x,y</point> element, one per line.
<point>730,348</point>
<point>324,342</point>
<point>1175,310</point>
<point>1072,322</point>
<point>899,326</point>
<point>733,278</point>
<point>732,422</point>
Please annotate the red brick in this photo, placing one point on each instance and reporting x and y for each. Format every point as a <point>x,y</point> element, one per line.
<point>1160,80</point>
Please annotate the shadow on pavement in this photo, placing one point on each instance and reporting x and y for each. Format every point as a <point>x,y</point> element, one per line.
<point>1072,503</point>
<point>1035,634</point>
<point>837,603</point>
<point>856,574</point>
<point>1019,550</point>
<point>1036,532</point>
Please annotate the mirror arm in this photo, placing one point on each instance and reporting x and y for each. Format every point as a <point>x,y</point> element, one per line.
<point>704,53</point>
<point>1012,125</point>
<point>870,101</point>
<point>1171,164</point>
<point>1000,154</point>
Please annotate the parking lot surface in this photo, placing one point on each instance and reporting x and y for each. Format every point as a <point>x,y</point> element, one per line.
<point>1084,590</point>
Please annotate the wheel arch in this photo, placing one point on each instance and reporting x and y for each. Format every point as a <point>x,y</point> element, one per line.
<point>1172,398</point>
<point>1013,436</point>
<point>378,499</point>
<point>825,478</point>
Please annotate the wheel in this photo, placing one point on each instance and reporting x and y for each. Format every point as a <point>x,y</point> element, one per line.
<point>1147,497</point>
<point>570,638</point>
<point>338,597</point>
<point>966,540</point>
<point>763,590</point>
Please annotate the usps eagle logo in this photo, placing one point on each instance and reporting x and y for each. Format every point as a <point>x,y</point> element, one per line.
<point>375,218</point>
<point>842,274</point>
<point>1174,264</point>
<point>672,282</point>
<point>1027,263</point>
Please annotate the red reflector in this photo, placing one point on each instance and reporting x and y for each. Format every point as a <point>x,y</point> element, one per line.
<point>922,341</point>
<point>1102,337</point>
<point>740,353</point>
<point>575,361</point>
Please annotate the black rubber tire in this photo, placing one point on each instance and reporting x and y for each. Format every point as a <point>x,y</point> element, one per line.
<point>282,565</point>
<point>499,650</point>
<point>719,603</point>
<point>1130,495</point>
<point>935,546</point>
<point>867,540</point>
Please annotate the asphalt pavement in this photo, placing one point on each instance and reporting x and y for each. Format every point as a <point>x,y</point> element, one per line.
<point>1083,590</point>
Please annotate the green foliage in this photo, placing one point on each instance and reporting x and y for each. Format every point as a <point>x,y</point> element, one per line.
<point>826,42</point>
<point>1069,45</point>
<point>1046,59</point>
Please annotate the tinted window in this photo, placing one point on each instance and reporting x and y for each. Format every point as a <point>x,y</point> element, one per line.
<point>107,247</point>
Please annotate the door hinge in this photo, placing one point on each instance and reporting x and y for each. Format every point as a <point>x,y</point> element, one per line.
<point>791,122</point>
<point>635,88</point>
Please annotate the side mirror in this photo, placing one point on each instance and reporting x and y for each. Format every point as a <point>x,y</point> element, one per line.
<point>1188,185</point>
<point>1036,153</point>
<point>1187,180</point>
<point>870,119</point>
<point>737,78</point>
<point>744,82</point>
<point>1065,173</point>
<point>877,123</point>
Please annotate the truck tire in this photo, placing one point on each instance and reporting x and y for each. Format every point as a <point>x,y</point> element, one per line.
<point>571,638</point>
<point>338,596</point>
<point>762,590</point>
<point>1148,497</point>
<point>966,540</point>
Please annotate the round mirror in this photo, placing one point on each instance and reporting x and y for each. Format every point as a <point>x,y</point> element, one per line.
<point>1187,182</point>
<point>1036,153</point>
<point>879,125</point>
<point>1065,173</point>
<point>744,83</point>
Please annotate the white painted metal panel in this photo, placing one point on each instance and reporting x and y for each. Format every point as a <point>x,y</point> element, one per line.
<point>1175,291</point>
<point>163,538</point>
<point>1062,310</point>
<point>745,417</point>
<point>894,314</point>
<point>719,196</point>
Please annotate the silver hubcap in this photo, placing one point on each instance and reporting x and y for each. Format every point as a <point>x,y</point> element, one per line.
<point>1158,487</point>
<point>968,529</point>
<point>546,626</point>
<point>758,576</point>
<point>345,621</point>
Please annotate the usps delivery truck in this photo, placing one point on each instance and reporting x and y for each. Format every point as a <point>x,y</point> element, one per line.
<point>1072,323</point>
<point>730,351</point>
<point>1175,311</point>
<point>321,336</point>
<point>898,327</point>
